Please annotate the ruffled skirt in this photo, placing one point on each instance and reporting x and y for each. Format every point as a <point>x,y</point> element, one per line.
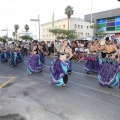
<point>92,64</point>
<point>108,73</point>
<point>42,57</point>
<point>59,71</point>
<point>34,64</point>
<point>20,56</point>
<point>3,57</point>
<point>14,60</point>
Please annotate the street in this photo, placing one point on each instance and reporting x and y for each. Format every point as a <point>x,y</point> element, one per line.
<point>34,98</point>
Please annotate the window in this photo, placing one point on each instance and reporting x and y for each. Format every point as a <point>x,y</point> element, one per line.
<point>81,34</point>
<point>87,27</point>
<point>75,26</point>
<point>81,26</point>
<point>49,35</point>
<point>63,26</point>
<point>46,36</point>
<point>78,26</point>
<point>47,29</point>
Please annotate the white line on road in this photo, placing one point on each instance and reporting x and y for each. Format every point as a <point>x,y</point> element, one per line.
<point>81,93</point>
<point>77,72</point>
<point>100,91</point>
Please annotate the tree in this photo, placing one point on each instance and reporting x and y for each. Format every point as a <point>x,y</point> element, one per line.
<point>63,34</point>
<point>13,34</point>
<point>69,12</point>
<point>3,39</point>
<point>26,27</point>
<point>26,37</point>
<point>98,30</point>
<point>16,27</point>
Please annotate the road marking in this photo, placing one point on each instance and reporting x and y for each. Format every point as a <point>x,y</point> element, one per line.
<point>8,81</point>
<point>93,89</point>
<point>78,73</point>
<point>75,72</point>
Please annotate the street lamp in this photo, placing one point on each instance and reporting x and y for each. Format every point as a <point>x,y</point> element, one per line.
<point>91,10</point>
<point>37,20</point>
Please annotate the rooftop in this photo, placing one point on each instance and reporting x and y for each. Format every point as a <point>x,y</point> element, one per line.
<point>72,18</point>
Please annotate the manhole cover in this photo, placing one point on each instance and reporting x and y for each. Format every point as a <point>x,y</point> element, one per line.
<point>12,117</point>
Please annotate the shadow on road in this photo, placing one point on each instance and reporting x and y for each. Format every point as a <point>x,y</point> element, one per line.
<point>12,117</point>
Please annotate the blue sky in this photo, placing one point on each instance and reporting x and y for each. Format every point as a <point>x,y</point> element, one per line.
<point>21,11</point>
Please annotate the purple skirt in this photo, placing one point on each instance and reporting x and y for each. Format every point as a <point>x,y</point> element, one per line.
<point>34,64</point>
<point>108,74</point>
<point>92,64</point>
<point>59,70</point>
<point>3,57</point>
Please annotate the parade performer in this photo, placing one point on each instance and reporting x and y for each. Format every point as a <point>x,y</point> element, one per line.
<point>20,54</point>
<point>34,63</point>
<point>92,64</point>
<point>14,58</point>
<point>109,68</point>
<point>60,65</point>
<point>3,56</point>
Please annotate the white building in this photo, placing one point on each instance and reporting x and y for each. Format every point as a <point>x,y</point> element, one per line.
<point>82,28</point>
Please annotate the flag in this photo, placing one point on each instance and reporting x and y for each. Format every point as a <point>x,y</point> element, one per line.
<point>53,20</point>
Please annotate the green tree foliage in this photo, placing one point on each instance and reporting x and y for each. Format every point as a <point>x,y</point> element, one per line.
<point>26,27</point>
<point>3,39</point>
<point>16,27</point>
<point>98,31</point>
<point>69,12</point>
<point>26,37</point>
<point>63,34</point>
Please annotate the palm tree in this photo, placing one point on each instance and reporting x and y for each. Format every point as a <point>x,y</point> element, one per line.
<point>16,27</point>
<point>13,34</point>
<point>26,27</point>
<point>69,12</point>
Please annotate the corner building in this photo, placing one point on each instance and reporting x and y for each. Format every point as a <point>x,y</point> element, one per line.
<point>109,21</point>
<point>82,28</point>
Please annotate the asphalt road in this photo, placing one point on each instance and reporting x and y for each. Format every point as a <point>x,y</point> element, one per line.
<point>34,98</point>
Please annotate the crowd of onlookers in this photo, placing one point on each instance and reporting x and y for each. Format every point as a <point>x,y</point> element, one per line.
<point>80,49</point>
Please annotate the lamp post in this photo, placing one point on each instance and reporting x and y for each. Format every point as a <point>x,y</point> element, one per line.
<point>37,20</point>
<point>91,10</point>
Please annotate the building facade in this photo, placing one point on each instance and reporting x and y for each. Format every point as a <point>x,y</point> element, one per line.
<point>82,28</point>
<point>108,20</point>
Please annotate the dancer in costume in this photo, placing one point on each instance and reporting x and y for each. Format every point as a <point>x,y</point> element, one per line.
<point>3,56</point>
<point>20,54</point>
<point>14,57</point>
<point>109,68</point>
<point>34,63</point>
<point>92,64</point>
<point>60,65</point>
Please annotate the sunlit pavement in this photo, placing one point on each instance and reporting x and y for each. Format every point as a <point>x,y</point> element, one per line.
<point>34,98</point>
